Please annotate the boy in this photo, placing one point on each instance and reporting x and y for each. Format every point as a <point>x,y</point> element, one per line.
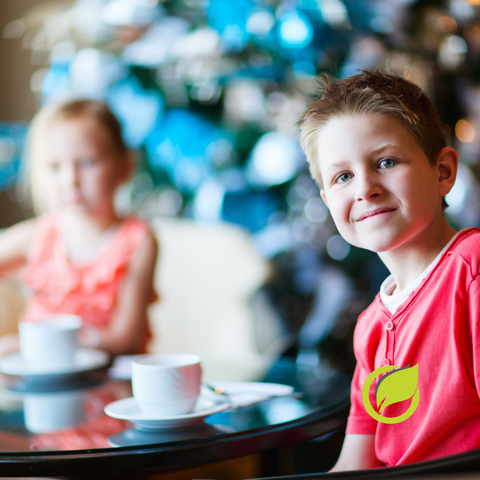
<point>376,148</point>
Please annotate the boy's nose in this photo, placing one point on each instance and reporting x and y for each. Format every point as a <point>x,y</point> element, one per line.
<point>367,188</point>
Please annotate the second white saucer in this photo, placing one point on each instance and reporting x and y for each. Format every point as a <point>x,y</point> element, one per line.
<point>85,359</point>
<point>129,409</point>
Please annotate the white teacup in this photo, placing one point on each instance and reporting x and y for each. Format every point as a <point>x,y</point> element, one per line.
<point>167,385</point>
<point>53,341</point>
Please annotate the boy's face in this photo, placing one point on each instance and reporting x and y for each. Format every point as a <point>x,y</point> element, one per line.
<point>377,182</point>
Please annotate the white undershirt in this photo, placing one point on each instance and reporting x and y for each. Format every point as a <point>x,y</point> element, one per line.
<point>393,301</point>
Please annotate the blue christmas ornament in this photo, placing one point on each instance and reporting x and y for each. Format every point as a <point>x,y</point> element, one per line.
<point>12,142</point>
<point>230,20</point>
<point>294,30</point>
<point>274,160</point>
<point>186,146</point>
<point>56,82</point>
<point>138,110</point>
<point>250,208</point>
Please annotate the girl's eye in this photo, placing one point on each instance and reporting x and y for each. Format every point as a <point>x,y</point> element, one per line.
<point>388,163</point>
<point>54,167</point>
<point>344,177</point>
<point>86,162</point>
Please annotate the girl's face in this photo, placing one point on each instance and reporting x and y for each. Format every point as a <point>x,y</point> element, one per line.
<point>80,166</point>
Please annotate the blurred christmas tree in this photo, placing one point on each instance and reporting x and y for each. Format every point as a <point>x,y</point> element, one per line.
<point>209,92</point>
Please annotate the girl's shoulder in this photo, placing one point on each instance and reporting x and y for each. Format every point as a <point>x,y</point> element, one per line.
<point>45,233</point>
<point>25,228</point>
<point>135,230</point>
<point>134,223</point>
<point>45,223</point>
<point>133,235</point>
<point>16,241</point>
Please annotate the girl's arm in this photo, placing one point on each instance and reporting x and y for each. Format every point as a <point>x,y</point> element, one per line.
<point>128,326</point>
<point>358,453</point>
<point>15,244</point>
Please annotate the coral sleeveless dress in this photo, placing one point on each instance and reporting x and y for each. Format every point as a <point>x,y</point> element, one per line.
<point>88,289</point>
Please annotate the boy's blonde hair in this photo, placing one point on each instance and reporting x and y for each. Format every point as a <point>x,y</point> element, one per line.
<point>371,92</point>
<point>96,110</point>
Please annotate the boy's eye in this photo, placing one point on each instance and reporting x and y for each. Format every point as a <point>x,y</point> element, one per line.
<point>387,163</point>
<point>343,177</point>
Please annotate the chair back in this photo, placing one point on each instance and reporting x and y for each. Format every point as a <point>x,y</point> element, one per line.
<point>467,462</point>
<point>207,278</point>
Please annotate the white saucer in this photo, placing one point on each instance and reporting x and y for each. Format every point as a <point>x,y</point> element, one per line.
<point>86,359</point>
<point>129,409</point>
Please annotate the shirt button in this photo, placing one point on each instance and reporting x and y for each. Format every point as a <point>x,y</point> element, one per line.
<point>390,326</point>
<point>386,361</point>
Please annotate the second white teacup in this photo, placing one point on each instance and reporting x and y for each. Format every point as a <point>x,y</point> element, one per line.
<point>167,385</point>
<point>53,341</point>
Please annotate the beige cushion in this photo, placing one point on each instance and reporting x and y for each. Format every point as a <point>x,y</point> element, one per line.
<point>12,303</point>
<point>206,276</point>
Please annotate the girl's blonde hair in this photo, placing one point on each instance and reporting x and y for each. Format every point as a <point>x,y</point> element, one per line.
<point>96,110</point>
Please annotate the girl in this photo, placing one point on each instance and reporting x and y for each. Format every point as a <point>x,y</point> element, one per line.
<point>79,256</point>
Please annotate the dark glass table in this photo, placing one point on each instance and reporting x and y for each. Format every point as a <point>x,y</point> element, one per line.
<point>58,428</point>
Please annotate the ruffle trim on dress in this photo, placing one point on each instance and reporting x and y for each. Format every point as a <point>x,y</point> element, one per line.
<point>52,275</point>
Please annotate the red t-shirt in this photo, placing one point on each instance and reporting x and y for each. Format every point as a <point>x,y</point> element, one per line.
<point>438,328</point>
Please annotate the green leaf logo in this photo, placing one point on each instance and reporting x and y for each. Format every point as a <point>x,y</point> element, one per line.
<point>396,386</point>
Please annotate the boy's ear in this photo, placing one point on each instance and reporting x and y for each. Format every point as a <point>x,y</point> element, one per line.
<point>447,164</point>
<point>324,198</point>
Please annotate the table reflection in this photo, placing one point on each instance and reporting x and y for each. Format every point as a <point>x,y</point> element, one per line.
<point>60,415</point>
<point>134,436</point>
<point>68,413</point>
<point>49,412</point>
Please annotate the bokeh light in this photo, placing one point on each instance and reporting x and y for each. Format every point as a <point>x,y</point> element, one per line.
<point>337,247</point>
<point>464,131</point>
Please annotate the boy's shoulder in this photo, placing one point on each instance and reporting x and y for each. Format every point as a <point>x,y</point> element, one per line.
<point>467,247</point>
<point>467,240</point>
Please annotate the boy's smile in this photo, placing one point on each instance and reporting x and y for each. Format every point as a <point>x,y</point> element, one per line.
<point>380,187</point>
